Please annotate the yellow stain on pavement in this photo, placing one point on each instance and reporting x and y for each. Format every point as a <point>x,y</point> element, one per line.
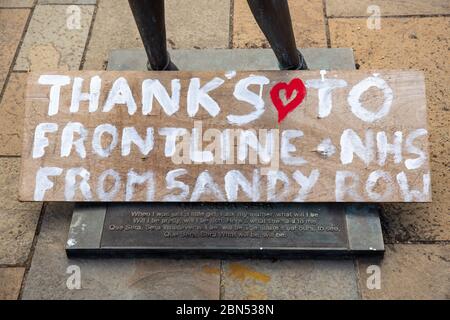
<point>242,272</point>
<point>211,270</point>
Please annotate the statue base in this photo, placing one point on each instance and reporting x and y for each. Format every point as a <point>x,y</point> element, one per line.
<point>226,229</point>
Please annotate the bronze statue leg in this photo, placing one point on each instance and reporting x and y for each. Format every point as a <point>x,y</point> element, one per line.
<point>274,19</point>
<point>150,20</point>
<point>272,16</point>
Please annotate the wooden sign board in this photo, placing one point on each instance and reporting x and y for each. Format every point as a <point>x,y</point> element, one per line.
<point>275,136</point>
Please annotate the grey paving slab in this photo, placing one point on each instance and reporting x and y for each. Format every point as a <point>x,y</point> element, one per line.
<point>364,8</point>
<point>408,271</point>
<point>53,40</point>
<point>289,280</point>
<point>233,59</point>
<point>112,278</point>
<point>16,3</point>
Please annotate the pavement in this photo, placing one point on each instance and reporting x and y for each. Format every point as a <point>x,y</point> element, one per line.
<point>79,34</point>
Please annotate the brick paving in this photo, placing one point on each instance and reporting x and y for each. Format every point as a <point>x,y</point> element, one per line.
<point>413,34</point>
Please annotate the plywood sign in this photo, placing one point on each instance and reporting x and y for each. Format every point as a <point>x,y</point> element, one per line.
<point>276,136</point>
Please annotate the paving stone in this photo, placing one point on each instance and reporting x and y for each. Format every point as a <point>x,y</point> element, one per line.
<point>352,8</point>
<point>407,222</point>
<point>109,33</point>
<point>12,24</point>
<point>205,26</point>
<point>307,19</point>
<point>19,219</point>
<point>16,3</point>
<point>143,278</point>
<point>412,43</point>
<point>67,2</point>
<point>9,183</point>
<point>233,59</point>
<point>10,282</point>
<point>286,280</point>
<point>11,115</point>
<point>17,232</point>
<point>409,271</point>
<point>50,44</point>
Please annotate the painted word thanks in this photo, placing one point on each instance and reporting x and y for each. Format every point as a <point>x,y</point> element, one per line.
<point>199,96</point>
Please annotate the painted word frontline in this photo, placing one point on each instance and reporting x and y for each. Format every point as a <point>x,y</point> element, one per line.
<point>261,136</point>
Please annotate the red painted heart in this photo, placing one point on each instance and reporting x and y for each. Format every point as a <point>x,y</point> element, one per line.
<point>295,85</point>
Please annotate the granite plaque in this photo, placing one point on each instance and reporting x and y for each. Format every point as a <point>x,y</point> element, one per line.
<point>225,229</point>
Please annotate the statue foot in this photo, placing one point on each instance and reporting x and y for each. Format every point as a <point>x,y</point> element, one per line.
<point>302,65</point>
<point>170,66</point>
